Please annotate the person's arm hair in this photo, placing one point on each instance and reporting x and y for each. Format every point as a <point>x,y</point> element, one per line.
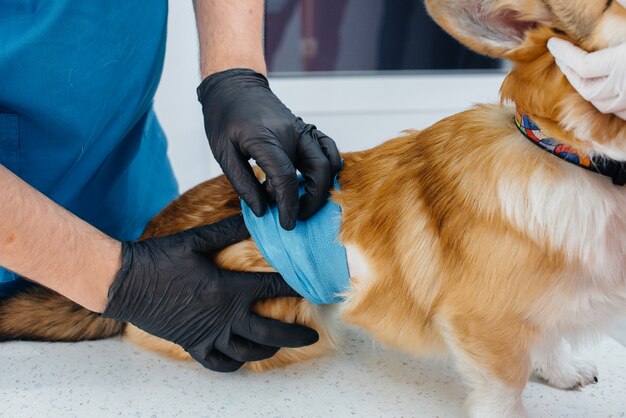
<point>47,244</point>
<point>230,34</point>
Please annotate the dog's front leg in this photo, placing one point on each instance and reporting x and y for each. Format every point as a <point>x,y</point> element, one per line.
<point>555,362</point>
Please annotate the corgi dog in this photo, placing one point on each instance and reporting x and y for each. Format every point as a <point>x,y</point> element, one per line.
<point>467,236</point>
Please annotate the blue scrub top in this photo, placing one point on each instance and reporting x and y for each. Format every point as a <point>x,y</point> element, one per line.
<point>77,81</point>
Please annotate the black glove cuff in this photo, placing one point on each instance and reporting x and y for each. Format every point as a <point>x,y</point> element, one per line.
<point>117,304</point>
<point>229,76</point>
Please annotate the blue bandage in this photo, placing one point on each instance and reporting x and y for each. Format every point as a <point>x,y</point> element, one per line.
<point>310,258</point>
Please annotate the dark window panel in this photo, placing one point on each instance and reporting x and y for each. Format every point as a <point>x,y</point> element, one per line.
<point>361,35</point>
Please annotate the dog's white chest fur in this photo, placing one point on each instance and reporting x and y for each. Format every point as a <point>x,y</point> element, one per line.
<point>582,215</point>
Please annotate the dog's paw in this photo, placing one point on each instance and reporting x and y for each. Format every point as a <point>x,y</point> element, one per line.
<point>573,373</point>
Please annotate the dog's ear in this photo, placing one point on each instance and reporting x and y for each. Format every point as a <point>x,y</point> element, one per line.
<point>490,27</point>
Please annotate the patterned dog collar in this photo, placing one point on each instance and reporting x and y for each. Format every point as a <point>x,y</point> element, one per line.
<point>616,170</point>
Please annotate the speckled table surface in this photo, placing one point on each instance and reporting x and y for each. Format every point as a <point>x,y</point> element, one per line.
<point>112,378</point>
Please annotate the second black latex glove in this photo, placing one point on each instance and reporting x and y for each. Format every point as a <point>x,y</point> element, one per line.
<point>243,119</point>
<point>170,288</point>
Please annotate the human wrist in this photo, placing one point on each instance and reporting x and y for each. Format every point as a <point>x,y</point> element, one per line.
<point>213,66</point>
<point>105,273</point>
<point>120,290</point>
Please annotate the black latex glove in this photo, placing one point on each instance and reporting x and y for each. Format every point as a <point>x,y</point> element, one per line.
<point>243,119</point>
<point>170,288</point>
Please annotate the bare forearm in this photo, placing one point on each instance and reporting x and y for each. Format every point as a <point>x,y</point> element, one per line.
<point>230,34</point>
<point>47,244</point>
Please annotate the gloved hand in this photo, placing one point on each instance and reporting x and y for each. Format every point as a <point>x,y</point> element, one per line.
<point>600,77</point>
<point>243,119</point>
<point>170,288</point>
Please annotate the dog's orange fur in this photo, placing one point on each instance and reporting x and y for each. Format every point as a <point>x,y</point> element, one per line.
<point>445,264</point>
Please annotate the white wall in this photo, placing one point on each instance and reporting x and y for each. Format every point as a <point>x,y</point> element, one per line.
<point>357,111</point>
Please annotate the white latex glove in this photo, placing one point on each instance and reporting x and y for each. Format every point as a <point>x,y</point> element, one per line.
<point>600,77</point>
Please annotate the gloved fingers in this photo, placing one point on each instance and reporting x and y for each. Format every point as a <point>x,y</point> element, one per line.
<point>315,169</point>
<point>285,192</point>
<point>328,146</point>
<point>589,88</point>
<point>220,362</point>
<point>240,174</point>
<point>215,360</point>
<point>219,235</point>
<point>584,64</point>
<point>330,150</point>
<point>240,349</point>
<point>275,333</point>
<point>270,285</point>
<point>281,185</point>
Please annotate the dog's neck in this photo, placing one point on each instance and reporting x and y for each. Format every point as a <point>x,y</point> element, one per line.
<point>541,91</point>
<point>616,170</point>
